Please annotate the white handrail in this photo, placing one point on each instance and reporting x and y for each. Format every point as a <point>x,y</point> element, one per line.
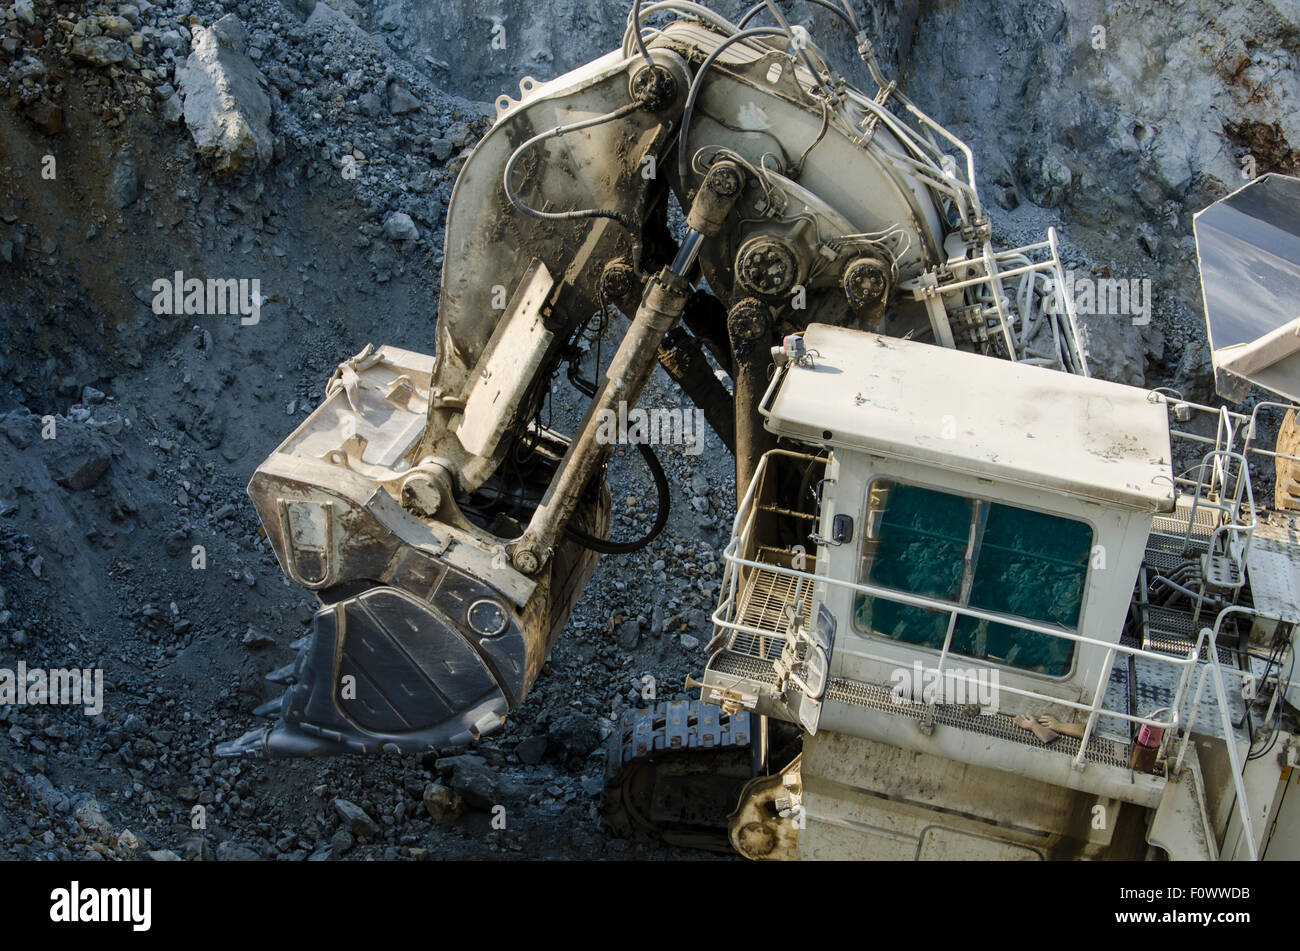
<point>724,617</point>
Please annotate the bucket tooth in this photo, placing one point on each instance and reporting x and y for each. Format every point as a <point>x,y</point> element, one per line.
<point>252,745</point>
<point>285,674</point>
<point>271,709</point>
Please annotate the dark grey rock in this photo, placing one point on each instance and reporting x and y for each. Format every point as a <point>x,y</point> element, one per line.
<point>629,634</point>
<point>196,849</point>
<point>341,842</point>
<point>576,733</point>
<point>19,427</point>
<point>123,184</point>
<point>531,750</point>
<point>399,227</point>
<point>401,101</point>
<point>230,851</point>
<point>356,818</point>
<point>441,149</point>
<point>473,780</point>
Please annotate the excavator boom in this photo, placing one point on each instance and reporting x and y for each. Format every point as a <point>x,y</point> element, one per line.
<point>447,532</point>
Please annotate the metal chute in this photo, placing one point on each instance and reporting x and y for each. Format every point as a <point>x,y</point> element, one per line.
<point>1248,249</point>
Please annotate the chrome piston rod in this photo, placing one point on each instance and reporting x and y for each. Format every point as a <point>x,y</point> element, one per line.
<point>661,308</point>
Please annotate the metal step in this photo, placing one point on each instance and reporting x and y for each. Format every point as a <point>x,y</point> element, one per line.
<point>1170,631</point>
<point>1175,523</point>
<point>745,666</point>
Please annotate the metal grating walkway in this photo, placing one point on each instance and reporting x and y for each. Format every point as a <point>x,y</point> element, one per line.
<point>1000,725</point>
<point>742,665</point>
<point>1175,523</point>
<point>1170,631</point>
<point>762,607</point>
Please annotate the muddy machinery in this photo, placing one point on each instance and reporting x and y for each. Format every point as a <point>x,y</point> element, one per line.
<point>908,503</point>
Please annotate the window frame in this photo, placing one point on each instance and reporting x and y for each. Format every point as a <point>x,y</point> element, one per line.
<point>980,507</point>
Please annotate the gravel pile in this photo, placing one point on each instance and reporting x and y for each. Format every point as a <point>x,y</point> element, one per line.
<point>312,147</point>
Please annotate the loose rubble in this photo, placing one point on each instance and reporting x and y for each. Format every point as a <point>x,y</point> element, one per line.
<point>313,145</point>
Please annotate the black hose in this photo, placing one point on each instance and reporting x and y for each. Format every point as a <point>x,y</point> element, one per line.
<point>698,83</point>
<point>1279,702</point>
<point>519,203</point>
<point>606,547</point>
<point>760,7</point>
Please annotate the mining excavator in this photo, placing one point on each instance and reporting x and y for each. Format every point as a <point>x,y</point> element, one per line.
<point>976,602</point>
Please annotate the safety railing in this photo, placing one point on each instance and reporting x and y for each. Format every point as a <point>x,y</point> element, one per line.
<point>726,618</point>
<point>1235,433</point>
<point>1213,671</point>
<point>1237,518</point>
<point>1016,294</point>
<point>1222,482</point>
<point>737,566</point>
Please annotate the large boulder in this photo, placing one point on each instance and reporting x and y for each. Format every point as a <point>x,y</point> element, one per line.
<point>227,108</point>
<point>78,457</point>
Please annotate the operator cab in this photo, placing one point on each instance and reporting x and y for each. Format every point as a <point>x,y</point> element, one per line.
<point>939,520</point>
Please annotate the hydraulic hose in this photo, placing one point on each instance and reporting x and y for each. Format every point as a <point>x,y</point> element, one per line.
<point>698,83</point>
<point>606,547</point>
<point>527,209</point>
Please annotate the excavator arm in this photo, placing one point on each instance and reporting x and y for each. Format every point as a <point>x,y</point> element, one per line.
<point>445,531</point>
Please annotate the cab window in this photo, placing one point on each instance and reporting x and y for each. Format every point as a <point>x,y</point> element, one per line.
<point>984,555</point>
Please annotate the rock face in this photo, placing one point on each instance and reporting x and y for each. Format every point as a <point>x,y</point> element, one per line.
<point>1114,347</point>
<point>1047,179</point>
<point>227,108</point>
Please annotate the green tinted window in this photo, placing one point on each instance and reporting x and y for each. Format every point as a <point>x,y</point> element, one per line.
<point>1022,563</point>
<point>1032,565</point>
<point>1013,646</point>
<point>922,538</point>
<point>902,622</point>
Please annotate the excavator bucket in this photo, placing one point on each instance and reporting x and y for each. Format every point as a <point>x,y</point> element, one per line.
<point>1248,247</point>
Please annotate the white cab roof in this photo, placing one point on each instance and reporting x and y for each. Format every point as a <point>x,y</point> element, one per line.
<point>1005,421</point>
